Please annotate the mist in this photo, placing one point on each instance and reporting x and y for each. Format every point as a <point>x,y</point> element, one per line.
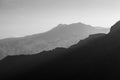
<point>26,17</point>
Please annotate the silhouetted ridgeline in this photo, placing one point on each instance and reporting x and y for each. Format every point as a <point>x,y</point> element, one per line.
<point>97,58</point>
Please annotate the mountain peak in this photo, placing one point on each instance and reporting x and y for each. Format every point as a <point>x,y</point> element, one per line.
<point>115,27</point>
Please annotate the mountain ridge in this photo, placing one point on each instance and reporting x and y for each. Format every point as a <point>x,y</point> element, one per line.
<point>61,36</point>
<point>99,58</point>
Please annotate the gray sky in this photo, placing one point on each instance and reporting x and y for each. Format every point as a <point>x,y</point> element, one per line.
<point>25,17</point>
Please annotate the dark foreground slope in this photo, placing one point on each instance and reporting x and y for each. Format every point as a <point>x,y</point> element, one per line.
<point>97,58</point>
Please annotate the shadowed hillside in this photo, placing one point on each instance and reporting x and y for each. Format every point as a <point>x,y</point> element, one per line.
<point>97,58</point>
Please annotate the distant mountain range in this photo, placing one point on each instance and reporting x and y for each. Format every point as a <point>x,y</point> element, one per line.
<point>61,36</point>
<point>96,57</point>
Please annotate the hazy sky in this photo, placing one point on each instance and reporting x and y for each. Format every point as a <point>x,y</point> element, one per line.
<point>24,17</point>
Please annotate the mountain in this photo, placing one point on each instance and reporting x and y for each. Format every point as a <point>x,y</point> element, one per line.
<point>97,58</point>
<point>61,36</point>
